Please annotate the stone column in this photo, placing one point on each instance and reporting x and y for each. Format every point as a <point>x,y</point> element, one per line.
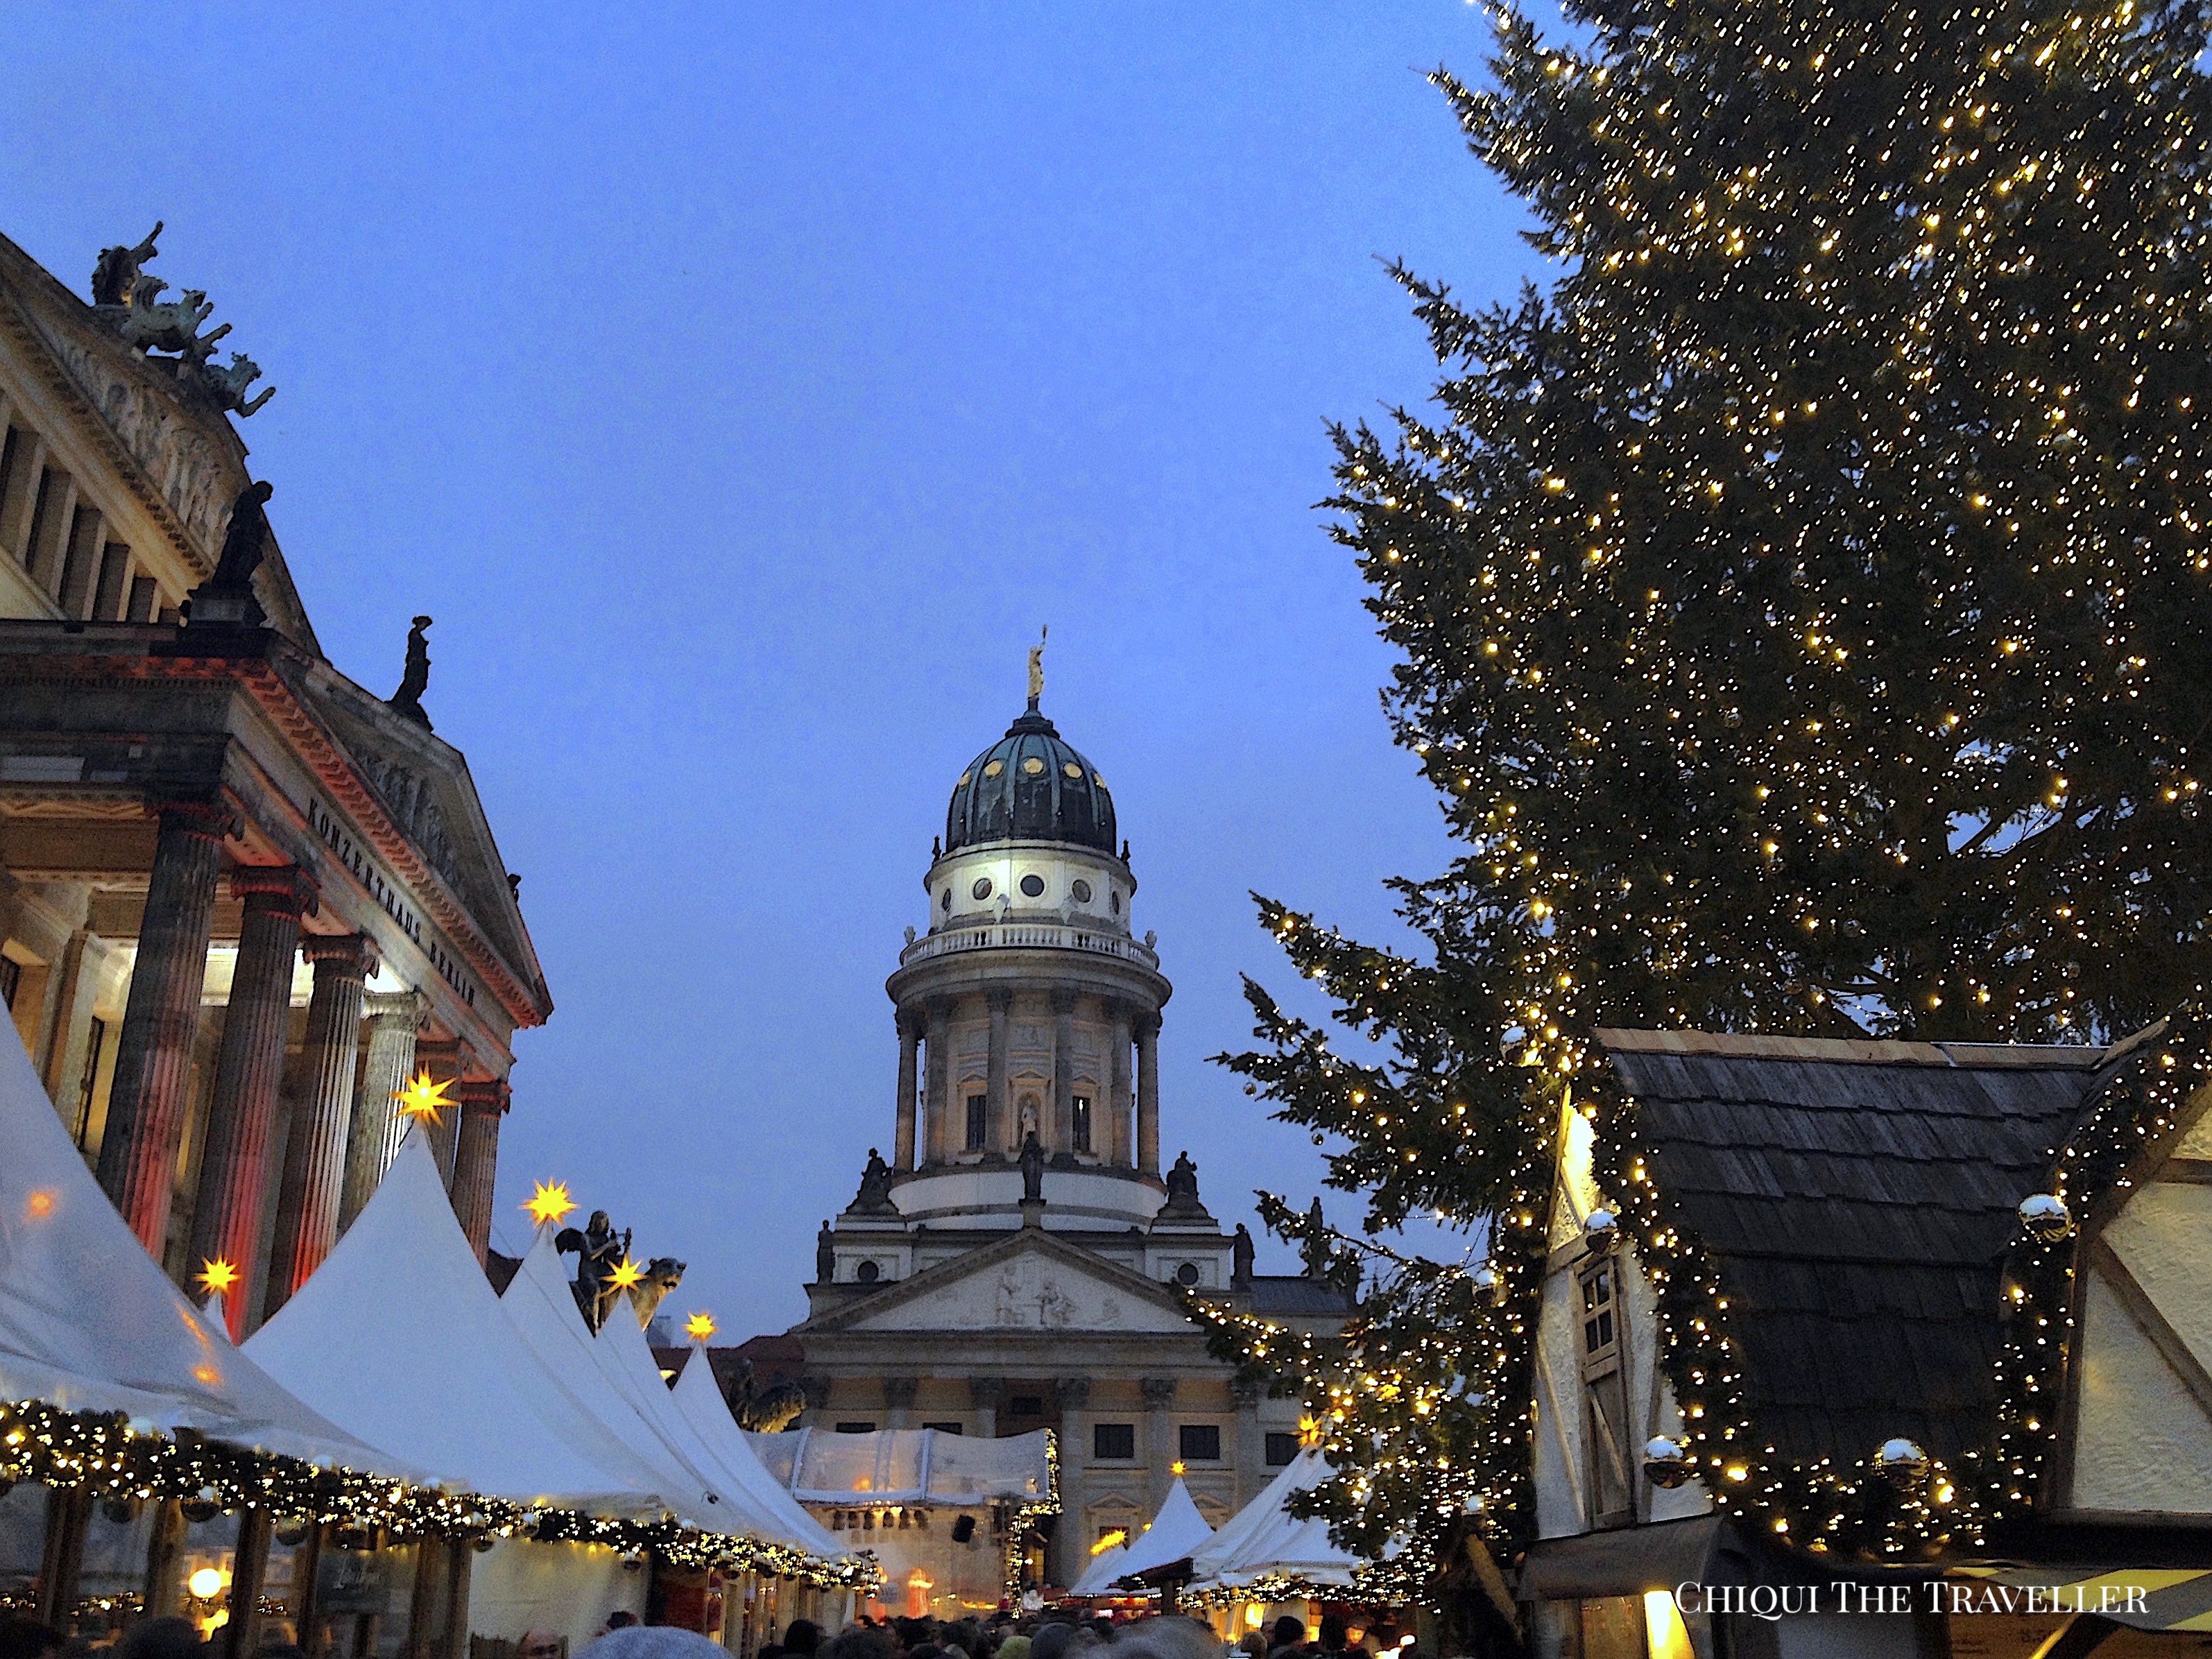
<point>1063,1073</point>
<point>443,1058</point>
<point>898,1400</point>
<point>936,1107</point>
<point>1160,1449</point>
<point>1000,1107</point>
<point>1072,1537</point>
<point>153,1058</point>
<point>984,1393</point>
<point>322,1117</point>
<point>242,1104</point>
<point>909,1036</point>
<point>371,1144</point>
<point>1148,1092</point>
<point>1252,1470</point>
<point>1118,1071</point>
<point>476,1159</point>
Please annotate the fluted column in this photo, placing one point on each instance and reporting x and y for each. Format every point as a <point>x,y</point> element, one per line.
<point>1252,1470</point>
<point>1000,1107</point>
<point>984,1393</point>
<point>1148,1092</point>
<point>1063,1071</point>
<point>443,1058</point>
<point>1072,1537</point>
<point>153,1058</point>
<point>242,1104</point>
<point>1160,1449</point>
<point>909,1036</point>
<point>476,1157</point>
<point>1118,1071</point>
<point>374,1140</point>
<point>898,1400</point>
<point>322,1117</point>
<point>938,1130</point>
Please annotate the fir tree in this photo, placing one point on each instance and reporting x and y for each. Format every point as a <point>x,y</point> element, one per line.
<point>1804,599</point>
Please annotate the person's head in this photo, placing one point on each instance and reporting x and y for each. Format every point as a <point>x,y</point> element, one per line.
<point>1170,1637</point>
<point>1254,1643</point>
<point>539,1644</point>
<point>802,1636</point>
<point>281,1650</point>
<point>1290,1632</point>
<point>1331,1632</point>
<point>1015,1646</point>
<point>620,1619</point>
<point>27,1638</point>
<point>159,1638</point>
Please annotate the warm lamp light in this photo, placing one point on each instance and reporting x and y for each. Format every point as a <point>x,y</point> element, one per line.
<point>1665,1635</point>
<point>700,1326</point>
<point>217,1275</point>
<point>205,1584</point>
<point>1109,1540</point>
<point>549,1203</point>
<point>424,1097</point>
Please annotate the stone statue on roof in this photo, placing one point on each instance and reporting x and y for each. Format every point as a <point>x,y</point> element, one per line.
<point>408,699</point>
<point>1240,1257</point>
<point>875,1195</point>
<point>246,543</point>
<point>1032,1161</point>
<point>1182,1177</point>
<point>117,273</point>
<point>825,1257</point>
<point>599,1250</point>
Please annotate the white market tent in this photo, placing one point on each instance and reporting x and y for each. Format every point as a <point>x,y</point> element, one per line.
<point>920,1466</point>
<point>398,1336</point>
<point>1177,1531</point>
<point>1098,1577</point>
<point>1263,1540</point>
<point>698,1401</point>
<point>88,1321</point>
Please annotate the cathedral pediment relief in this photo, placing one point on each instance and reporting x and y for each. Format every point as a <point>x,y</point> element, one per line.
<point>1026,1284</point>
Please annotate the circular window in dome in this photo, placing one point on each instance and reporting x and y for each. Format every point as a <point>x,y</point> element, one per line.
<point>1082,891</point>
<point>1095,779</point>
<point>945,902</point>
<point>1073,771</point>
<point>868,1272</point>
<point>982,889</point>
<point>962,784</point>
<point>1186,1274</point>
<point>1033,887</point>
<point>993,769</point>
<point>1033,766</point>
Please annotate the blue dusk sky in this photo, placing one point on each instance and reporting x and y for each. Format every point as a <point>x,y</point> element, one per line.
<point>741,387</point>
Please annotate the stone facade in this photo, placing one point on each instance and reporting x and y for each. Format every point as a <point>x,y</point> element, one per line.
<point>946,1296</point>
<point>217,853</point>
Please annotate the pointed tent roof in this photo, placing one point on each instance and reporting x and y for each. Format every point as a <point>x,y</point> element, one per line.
<point>627,1358</point>
<point>1098,1577</point>
<point>400,1317</point>
<point>1176,1531</point>
<point>89,1322</point>
<point>1264,1539</point>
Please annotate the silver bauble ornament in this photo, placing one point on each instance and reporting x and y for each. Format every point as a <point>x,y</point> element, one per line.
<point>2045,1217</point>
<point>1666,1463</point>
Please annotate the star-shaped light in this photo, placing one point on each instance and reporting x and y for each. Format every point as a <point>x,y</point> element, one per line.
<point>627,1274</point>
<point>217,1275</point>
<point>1309,1431</point>
<point>700,1326</point>
<point>550,1203</point>
<point>1176,1468</point>
<point>425,1096</point>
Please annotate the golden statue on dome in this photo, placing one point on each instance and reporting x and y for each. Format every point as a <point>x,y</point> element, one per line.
<point>1036,666</point>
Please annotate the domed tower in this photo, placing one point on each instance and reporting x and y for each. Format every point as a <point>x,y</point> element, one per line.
<point>1028,1007</point>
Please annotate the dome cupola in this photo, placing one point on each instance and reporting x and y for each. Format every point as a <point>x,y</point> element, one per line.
<point>1030,785</point>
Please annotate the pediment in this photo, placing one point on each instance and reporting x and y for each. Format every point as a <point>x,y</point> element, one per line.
<point>1029,1282</point>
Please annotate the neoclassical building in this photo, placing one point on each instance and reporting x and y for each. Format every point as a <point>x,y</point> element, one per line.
<point>241,898</point>
<point>961,1290</point>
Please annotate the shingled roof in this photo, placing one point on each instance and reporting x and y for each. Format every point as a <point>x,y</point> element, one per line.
<point>1858,1200</point>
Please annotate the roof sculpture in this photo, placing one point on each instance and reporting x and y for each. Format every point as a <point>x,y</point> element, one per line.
<point>89,1323</point>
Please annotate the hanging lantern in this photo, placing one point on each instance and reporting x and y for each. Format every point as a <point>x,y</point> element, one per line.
<point>1488,1283</point>
<point>1902,1463</point>
<point>292,1531</point>
<point>202,1507</point>
<point>118,1510</point>
<point>1666,1463</point>
<point>1600,1231</point>
<point>482,1543</point>
<point>2045,1217</point>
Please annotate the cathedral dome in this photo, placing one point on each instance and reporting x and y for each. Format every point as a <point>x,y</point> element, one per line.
<point>1030,785</point>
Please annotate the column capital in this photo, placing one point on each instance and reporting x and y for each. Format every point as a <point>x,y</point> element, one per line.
<point>354,955</point>
<point>1148,1022</point>
<point>1063,1002</point>
<point>409,1009</point>
<point>899,1392</point>
<point>984,1393</point>
<point>487,1096</point>
<point>1071,1393</point>
<point>909,1021</point>
<point>1160,1392</point>
<point>940,1007</point>
<point>815,1390</point>
<point>207,820</point>
<point>1245,1391</point>
<point>285,888</point>
<point>999,998</point>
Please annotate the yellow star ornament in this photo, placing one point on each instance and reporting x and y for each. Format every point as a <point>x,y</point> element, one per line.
<point>217,1275</point>
<point>626,1275</point>
<point>700,1326</point>
<point>424,1097</point>
<point>550,1203</point>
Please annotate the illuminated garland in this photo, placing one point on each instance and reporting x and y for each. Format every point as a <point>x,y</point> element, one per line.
<point>1271,1588</point>
<point>101,1453</point>
<point>1011,1562</point>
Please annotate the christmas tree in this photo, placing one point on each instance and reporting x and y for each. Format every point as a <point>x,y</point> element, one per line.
<point>1803,601</point>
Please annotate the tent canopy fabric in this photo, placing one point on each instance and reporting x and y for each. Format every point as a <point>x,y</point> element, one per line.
<point>88,1321</point>
<point>1098,1577</point>
<point>1176,1531</point>
<point>1264,1539</point>
<point>907,1466</point>
<point>398,1336</point>
<point>700,1403</point>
